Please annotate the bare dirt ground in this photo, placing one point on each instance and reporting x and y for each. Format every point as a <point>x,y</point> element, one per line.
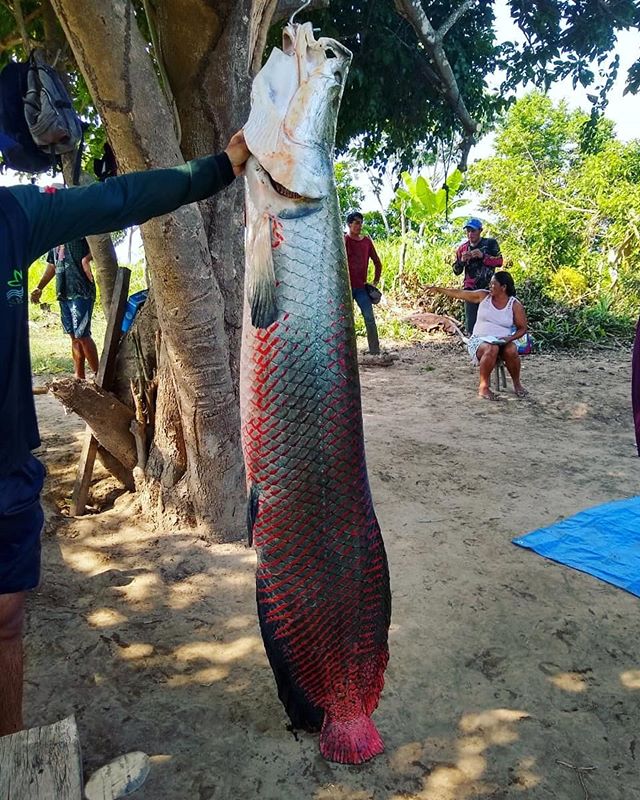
<point>502,663</point>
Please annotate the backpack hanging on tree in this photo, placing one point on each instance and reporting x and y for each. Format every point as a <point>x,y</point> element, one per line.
<point>19,151</point>
<point>54,125</point>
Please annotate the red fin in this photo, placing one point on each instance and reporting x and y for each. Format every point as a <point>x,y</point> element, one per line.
<point>350,742</point>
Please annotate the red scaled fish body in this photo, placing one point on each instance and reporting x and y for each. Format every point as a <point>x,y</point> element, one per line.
<point>322,580</point>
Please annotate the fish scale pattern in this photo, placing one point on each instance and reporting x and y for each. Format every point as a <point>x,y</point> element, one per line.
<point>322,579</point>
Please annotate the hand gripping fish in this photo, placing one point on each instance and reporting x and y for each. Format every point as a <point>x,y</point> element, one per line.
<point>323,592</point>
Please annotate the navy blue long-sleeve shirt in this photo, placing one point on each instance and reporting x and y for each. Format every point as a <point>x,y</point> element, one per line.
<point>32,221</point>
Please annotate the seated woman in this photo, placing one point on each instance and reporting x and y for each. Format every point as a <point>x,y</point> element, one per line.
<point>501,320</point>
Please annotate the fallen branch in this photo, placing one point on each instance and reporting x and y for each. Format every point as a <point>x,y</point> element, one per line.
<point>108,418</point>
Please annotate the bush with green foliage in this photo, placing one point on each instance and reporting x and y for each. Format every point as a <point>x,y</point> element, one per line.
<point>564,200</point>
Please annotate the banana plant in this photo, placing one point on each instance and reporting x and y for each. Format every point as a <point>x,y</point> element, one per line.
<point>425,206</point>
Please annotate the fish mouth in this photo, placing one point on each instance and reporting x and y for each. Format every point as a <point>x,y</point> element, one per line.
<point>283,191</point>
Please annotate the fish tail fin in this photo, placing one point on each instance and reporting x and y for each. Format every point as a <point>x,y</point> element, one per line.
<point>350,741</point>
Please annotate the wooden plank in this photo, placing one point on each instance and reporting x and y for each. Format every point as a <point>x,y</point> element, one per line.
<point>104,378</point>
<point>107,365</point>
<point>83,476</point>
<point>42,763</point>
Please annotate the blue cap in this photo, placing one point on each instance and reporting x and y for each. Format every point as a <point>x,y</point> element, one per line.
<point>474,223</point>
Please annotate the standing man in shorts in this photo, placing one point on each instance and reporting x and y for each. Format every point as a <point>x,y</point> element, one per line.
<point>76,293</point>
<point>32,221</point>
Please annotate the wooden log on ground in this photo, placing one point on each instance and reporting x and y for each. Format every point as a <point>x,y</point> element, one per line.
<point>42,763</point>
<point>108,418</point>
<point>117,469</point>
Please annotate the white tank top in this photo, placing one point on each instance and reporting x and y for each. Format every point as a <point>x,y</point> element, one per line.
<point>494,321</point>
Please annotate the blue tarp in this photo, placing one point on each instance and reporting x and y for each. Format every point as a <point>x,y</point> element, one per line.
<point>603,541</point>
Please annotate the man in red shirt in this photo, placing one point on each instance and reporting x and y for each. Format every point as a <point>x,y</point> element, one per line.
<point>360,250</point>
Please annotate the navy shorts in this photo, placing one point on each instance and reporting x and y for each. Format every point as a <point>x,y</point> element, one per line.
<point>21,521</point>
<point>76,316</point>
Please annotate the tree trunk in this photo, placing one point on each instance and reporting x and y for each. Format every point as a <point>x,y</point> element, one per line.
<point>194,474</point>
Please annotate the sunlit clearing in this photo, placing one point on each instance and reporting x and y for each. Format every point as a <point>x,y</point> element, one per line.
<point>240,622</point>
<point>631,679</point>
<point>462,780</point>
<point>203,677</point>
<point>455,783</point>
<point>569,682</point>
<point>141,588</point>
<point>89,562</point>
<point>105,618</point>
<point>137,650</point>
<point>218,653</point>
<point>487,720</point>
<point>579,411</point>
<point>525,775</point>
<point>405,756</point>
<point>182,593</point>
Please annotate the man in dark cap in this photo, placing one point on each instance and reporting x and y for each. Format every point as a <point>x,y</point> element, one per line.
<point>478,258</point>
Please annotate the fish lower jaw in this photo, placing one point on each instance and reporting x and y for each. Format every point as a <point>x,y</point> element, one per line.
<point>284,192</point>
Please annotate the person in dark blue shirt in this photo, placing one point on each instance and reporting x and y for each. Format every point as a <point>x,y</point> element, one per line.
<point>32,221</point>
<point>70,264</point>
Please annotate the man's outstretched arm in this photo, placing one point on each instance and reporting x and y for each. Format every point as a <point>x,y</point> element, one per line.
<point>131,199</point>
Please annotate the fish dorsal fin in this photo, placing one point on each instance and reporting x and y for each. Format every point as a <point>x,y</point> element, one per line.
<point>261,277</point>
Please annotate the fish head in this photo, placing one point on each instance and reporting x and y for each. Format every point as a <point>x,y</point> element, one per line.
<point>294,109</point>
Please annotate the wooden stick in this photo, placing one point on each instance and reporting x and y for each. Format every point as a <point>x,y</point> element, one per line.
<point>104,378</point>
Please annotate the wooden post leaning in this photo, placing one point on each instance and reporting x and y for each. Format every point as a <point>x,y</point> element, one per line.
<point>104,378</point>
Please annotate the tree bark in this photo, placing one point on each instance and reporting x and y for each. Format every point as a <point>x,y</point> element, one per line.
<point>194,474</point>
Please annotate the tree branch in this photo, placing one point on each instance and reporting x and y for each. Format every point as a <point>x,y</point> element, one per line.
<point>431,40</point>
<point>451,20</point>
<point>22,28</point>
<point>11,39</point>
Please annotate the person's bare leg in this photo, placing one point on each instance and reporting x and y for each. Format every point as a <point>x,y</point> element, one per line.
<point>90,352</point>
<point>11,662</point>
<point>512,363</point>
<point>78,357</point>
<point>487,356</point>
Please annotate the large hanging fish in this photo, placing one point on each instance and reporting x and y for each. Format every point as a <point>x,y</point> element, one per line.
<point>322,580</point>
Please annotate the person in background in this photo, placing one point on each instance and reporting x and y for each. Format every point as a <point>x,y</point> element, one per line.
<point>501,322</point>
<point>360,251</point>
<point>478,258</point>
<point>32,221</point>
<point>76,293</point>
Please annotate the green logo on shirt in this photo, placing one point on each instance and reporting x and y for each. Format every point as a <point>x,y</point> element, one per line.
<point>15,295</point>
